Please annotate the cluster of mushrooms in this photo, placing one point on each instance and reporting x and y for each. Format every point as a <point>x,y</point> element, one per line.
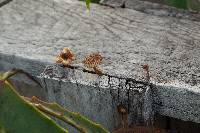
<point>92,61</point>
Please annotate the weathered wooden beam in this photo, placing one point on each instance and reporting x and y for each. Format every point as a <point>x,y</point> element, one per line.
<point>33,32</point>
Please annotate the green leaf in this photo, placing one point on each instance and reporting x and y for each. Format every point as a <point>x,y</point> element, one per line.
<point>14,71</point>
<point>74,119</point>
<point>18,116</point>
<point>21,115</point>
<point>87,4</point>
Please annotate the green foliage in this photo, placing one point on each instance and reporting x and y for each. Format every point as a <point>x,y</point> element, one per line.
<point>177,3</point>
<point>92,1</point>
<point>184,4</point>
<point>18,116</point>
<point>87,4</point>
<point>2,130</point>
<point>24,115</point>
<point>74,119</point>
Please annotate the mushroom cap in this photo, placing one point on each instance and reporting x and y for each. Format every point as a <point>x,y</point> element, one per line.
<point>65,57</point>
<point>93,60</point>
<point>122,109</point>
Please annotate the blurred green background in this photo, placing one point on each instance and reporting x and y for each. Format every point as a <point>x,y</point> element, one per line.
<point>177,3</point>
<point>183,4</point>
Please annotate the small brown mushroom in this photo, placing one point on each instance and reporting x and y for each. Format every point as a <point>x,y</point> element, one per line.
<point>122,109</point>
<point>146,68</point>
<point>93,61</point>
<point>65,57</point>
